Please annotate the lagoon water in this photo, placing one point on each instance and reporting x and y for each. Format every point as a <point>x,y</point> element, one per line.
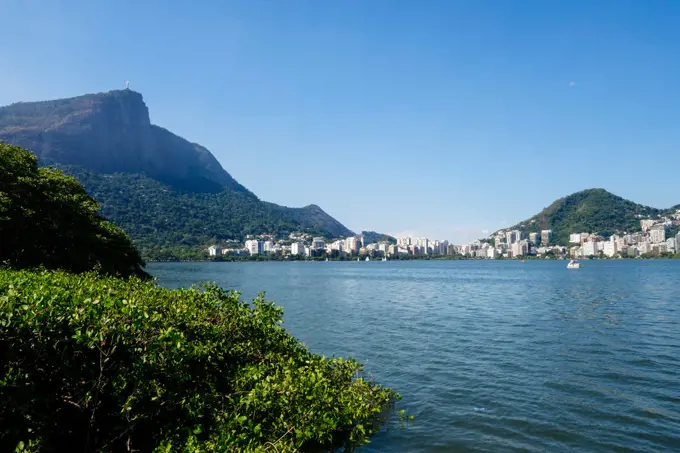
<point>496,356</point>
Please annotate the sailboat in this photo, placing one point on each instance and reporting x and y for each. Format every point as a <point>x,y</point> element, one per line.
<point>384,258</point>
<point>573,264</point>
<point>367,259</point>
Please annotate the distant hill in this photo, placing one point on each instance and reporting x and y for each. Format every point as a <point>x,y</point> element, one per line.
<point>372,236</point>
<point>165,191</point>
<point>592,210</point>
<point>673,209</point>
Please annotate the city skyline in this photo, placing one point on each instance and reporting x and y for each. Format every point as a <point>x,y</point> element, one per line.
<point>656,237</point>
<point>402,107</point>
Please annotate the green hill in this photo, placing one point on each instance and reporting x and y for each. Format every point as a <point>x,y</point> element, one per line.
<point>593,211</point>
<point>169,224</point>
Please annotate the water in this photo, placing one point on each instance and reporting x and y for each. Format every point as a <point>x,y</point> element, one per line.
<point>492,356</point>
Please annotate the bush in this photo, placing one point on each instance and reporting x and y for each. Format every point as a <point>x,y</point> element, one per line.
<point>92,363</point>
<point>48,219</point>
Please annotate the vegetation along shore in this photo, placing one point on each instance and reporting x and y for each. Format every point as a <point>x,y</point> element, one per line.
<point>97,357</point>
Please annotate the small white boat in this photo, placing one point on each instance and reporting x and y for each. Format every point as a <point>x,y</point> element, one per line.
<point>384,258</point>
<point>573,264</point>
<point>367,259</point>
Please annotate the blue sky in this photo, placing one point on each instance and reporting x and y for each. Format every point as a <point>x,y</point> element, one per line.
<point>438,118</point>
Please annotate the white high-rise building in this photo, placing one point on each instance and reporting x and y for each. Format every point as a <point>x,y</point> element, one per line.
<point>677,243</point>
<point>534,238</point>
<point>424,245</point>
<point>268,246</point>
<point>318,244</point>
<point>512,236</point>
<point>546,237</point>
<point>590,249</point>
<point>620,244</point>
<point>644,247</point>
<point>516,249</point>
<point>671,245</point>
<point>404,241</point>
<point>609,248</point>
<point>657,235</point>
<point>352,245</point>
<point>254,247</point>
<point>297,248</point>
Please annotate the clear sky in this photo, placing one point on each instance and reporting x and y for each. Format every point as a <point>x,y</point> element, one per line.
<point>438,118</point>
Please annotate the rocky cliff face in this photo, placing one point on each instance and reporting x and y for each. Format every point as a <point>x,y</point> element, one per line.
<point>111,132</point>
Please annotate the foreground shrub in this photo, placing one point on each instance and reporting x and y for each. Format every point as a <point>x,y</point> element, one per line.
<point>91,363</point>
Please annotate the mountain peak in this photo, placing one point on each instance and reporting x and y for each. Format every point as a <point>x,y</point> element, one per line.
<point>111,132</point>
<point>46,115</point>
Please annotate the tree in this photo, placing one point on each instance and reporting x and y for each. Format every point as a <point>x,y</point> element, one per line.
<point>48,219</point>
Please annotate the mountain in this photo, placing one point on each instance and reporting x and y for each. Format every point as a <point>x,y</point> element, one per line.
<point>165,191</point>
<point>111,132</point>
<point>593,211</point>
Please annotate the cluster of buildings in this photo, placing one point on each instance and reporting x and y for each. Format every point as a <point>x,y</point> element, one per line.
<point>655,238</point>
<point>652,240</point>
<point>424,246</point>
<point>304,245</point>
<point>513,244</point>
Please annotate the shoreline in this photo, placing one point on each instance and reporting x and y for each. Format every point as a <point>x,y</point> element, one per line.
<point>269,260</point>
